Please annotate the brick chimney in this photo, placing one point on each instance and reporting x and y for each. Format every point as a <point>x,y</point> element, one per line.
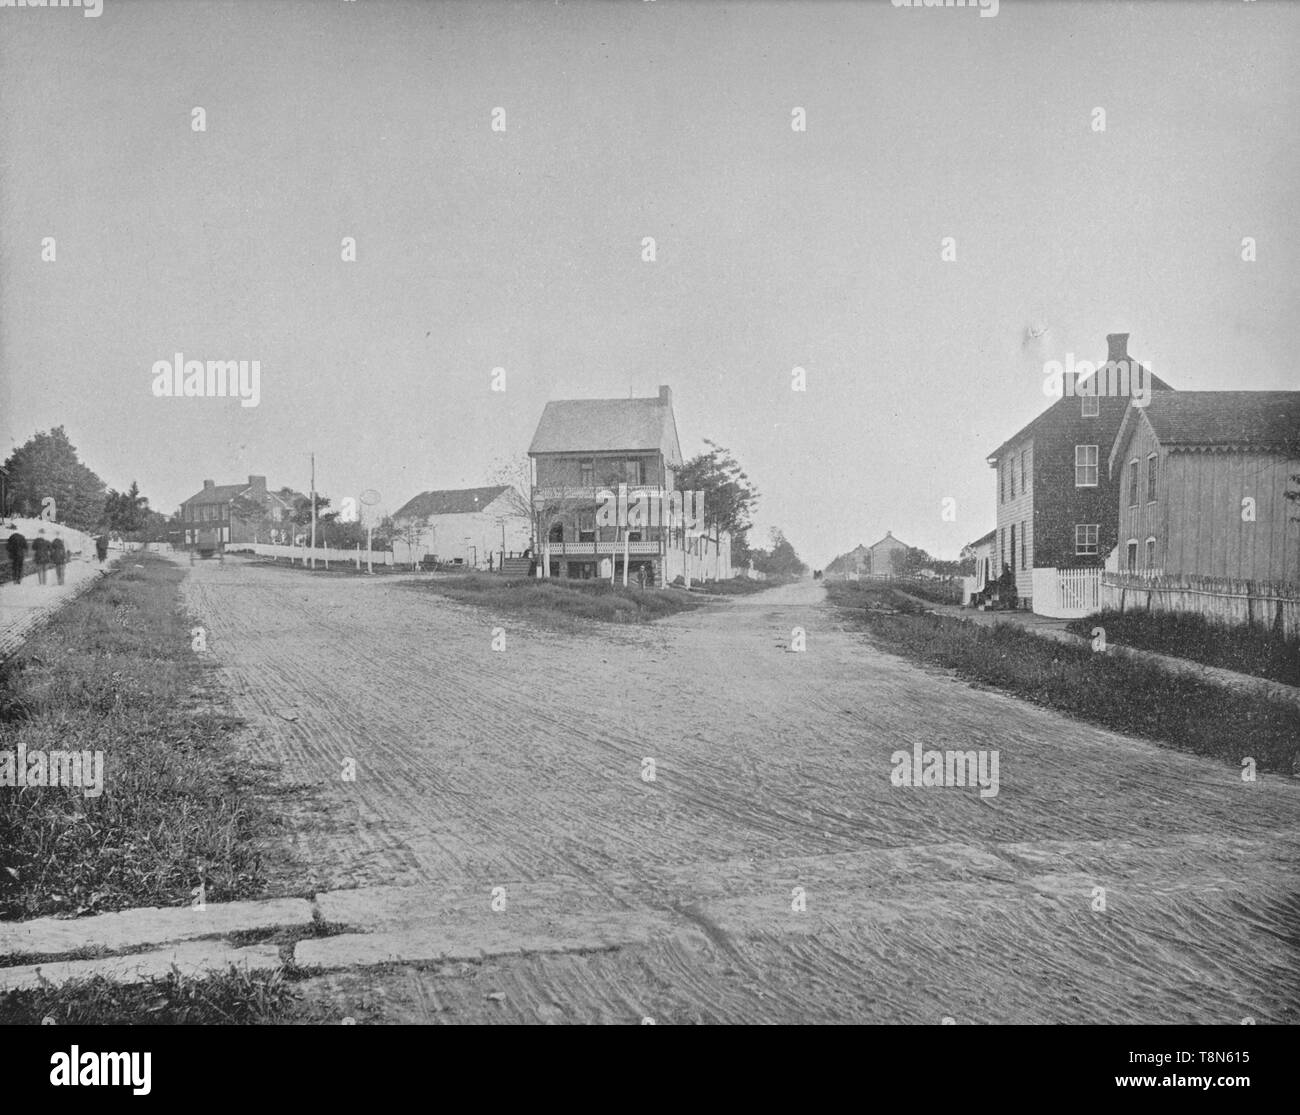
<point>258,484</point>
<point>1117,347</point>
<point>208,484</point>
<point>665,395</point>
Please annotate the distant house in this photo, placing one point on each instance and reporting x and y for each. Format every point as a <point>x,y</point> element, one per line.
<point>1056,500</point>
<point>585,450</point>
<point>857,560</point>
<point>982,552</point>
<point>463,523</point>
<point>212,509</point>
<point>1202,479</point>
<point>881,559</point>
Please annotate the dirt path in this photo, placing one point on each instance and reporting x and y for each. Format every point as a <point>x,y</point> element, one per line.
<point>523,769</point>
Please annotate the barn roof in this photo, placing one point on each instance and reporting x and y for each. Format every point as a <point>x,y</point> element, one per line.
<point>1247,421</point>
<point>452,501</point>
<point>604,425</point>
<point>1254,419</point>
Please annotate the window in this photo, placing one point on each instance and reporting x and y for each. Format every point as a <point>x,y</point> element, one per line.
<point>632,471</point>
<point>1024,548</point>
<point>1151,478</point>
<point>1013,547</point>
<point>1085,466</point>
<point>1132,555</point>
<point>1133,482</point>
<point>1091,406</point>
<point>1023,489</point>
<point>588,473</point>
<point>1085,538</point>
<point>1012,470</point>
<point>1002,482</point>
<point>1151,553</point>
<point>587,526</point>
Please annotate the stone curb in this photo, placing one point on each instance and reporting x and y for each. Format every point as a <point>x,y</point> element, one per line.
<point>415,944</point>
<point>149,925</point>
<point>194,959</point>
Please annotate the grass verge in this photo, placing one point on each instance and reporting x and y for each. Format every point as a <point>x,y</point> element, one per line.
<point>563,602</point>
<point>114,671</point>
<point>235,997</point>
<point>738,586</point>
<point>1121,694</point>
<point>1248,650</point>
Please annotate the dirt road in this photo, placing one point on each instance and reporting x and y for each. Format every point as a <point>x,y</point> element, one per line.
<point>523,768</point>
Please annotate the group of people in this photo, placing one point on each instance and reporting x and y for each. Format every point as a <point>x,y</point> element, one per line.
<point>46,552</point>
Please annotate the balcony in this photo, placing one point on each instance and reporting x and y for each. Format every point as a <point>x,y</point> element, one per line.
<point>578,549</point>
<point>579,493</point>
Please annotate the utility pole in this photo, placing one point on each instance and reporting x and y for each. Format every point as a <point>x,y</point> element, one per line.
<point>313,510</point>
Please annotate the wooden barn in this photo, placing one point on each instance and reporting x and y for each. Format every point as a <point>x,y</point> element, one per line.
<point>1202,478</point>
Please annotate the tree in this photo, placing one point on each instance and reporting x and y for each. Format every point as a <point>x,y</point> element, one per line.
<point>515,473</point>
<point>340,534</point>
<point>408,533</point>
<point>729,497</point>
<point>780,560</point>
<point>906,563</point>
<point>126,512</point>
<point>302,509</point>
<point>252,513</point>
<point>48,466</point>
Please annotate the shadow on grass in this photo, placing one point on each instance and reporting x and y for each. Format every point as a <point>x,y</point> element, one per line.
<point>1122,694</point>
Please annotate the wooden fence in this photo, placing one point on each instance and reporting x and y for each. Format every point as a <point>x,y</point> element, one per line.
<point>1256,603</point>
<point>304,554</point>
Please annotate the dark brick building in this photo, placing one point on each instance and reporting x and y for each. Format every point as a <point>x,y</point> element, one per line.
<point>1057,501</point>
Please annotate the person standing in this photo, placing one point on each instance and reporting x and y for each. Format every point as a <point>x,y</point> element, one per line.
<point>59,555</point>
<point>101,546</point>
<point>41,554</point>
<point>17,547</point>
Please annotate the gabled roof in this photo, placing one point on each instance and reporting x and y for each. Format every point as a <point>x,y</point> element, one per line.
<point>224,493</point>
<point>889,537</point>
<point>220,493</point>
<point>1243,421</point>
<point>604,425</point>
<point>983,539</point>
<point>452,501</point>
<point>1156,385</point>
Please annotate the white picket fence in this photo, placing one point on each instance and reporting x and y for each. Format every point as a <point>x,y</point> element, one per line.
<point>1066,593</point>
<point>323,554</point>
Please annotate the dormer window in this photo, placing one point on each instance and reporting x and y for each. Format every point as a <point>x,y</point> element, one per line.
<point>1091,405</point>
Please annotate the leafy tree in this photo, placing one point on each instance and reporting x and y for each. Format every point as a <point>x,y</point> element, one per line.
<point>48,465</point>
<point>780,559</point>
<point>729,497</point>
<point>335,532</point>
<point>384,532</point>
<point>253,514</point>
<point>302,509</point>
<point>126,512</point>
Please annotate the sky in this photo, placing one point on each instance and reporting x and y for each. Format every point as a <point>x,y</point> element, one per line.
<point>522,249</point>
